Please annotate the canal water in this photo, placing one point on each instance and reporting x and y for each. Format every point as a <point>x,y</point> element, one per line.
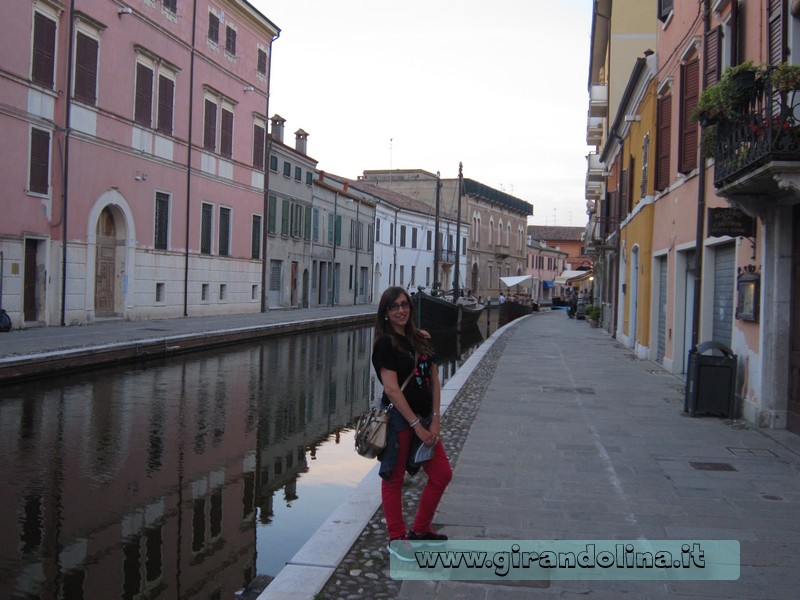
<point>188,476</point>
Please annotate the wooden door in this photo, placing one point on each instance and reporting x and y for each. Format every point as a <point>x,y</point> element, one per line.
<point>793,420</point>
<point>29,293</point>
<point>105,265</point>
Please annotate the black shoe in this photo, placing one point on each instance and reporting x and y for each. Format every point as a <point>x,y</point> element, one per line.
<point>430,536</point>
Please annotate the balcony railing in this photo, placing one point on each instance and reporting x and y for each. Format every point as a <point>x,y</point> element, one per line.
<point>768,129</point>
<point>447,256</point>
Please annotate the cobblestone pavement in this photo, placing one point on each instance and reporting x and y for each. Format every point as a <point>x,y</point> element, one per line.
<point>364,572</point>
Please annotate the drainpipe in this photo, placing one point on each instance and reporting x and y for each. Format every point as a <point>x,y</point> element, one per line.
<point>701,201</point>
<point>355,266</point>
<point>267,158</point>
<point>332,271</point>
<point>65,179</point>
<point>189,163</point>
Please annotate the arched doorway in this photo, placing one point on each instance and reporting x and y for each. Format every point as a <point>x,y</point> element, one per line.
<point>105,279</point>
<point>474,278</point>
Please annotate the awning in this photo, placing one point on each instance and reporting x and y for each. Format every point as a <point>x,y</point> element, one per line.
<point>567,275</point>
<point>515,280</point>
<point>583,277</point>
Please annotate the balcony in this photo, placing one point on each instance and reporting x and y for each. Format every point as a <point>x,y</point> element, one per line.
<point>501,251</point>
<point>598,100</point>
<point>594,131</point>
<point>761,143</point>
<point>596,168</point>
<point>594,190</point>
<point>447,256</point>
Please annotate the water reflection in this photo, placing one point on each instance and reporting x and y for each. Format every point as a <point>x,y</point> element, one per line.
<point>183,477</point>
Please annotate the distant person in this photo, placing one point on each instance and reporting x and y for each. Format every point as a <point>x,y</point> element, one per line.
<point>501,299</point>
<point>414,418</point>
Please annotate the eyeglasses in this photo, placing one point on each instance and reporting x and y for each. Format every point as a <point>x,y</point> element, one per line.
<point>398,305</point>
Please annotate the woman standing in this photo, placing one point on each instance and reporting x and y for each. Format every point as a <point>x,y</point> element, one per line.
<point>401,350</point>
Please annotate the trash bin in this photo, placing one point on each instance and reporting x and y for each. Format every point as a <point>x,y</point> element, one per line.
<point>710,380</point>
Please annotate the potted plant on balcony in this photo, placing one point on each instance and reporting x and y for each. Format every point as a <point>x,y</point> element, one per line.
<point>785,78</point>
<point>722,100</point>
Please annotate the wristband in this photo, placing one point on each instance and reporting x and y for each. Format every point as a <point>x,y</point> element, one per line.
<point>436,414</point>
<point>414,422</point>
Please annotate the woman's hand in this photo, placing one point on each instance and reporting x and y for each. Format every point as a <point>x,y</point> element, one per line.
<point>426,436</point>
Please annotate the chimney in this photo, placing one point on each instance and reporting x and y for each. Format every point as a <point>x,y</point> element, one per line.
<point>277,128</point>
<point>301,142</point>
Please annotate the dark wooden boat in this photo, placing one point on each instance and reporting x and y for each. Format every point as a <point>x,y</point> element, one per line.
<point>511,310</point>
<point>440,313</point>
<point>448,311</point>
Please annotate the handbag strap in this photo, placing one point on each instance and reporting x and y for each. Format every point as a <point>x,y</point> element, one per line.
<point>405,383</point>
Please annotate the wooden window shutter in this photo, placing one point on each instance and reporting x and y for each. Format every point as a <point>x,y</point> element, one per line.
<point>39,161</point>
<point>776,31</point>
<point>663,142</point>
<point>623,195</point>
<point>86,69</point>
<point>690,90</point>
<point>258,146</point>
<point>226,137</point>
<point>213,28</point>
<point>262,62</point>
<point>713,56</point>
<point>143,106</point>
<point>210,126</point>
<point>166,100</point>
<point>44,50</point>
<point>230,41</point>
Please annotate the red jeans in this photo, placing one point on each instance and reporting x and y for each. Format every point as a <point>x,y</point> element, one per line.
<point>439,475</point>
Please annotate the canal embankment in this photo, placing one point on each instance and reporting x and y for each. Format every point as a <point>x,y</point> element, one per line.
<point>44,351</point>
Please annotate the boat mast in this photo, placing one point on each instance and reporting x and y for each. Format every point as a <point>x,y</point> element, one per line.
<point>458,233</point>
<point>436,243</point>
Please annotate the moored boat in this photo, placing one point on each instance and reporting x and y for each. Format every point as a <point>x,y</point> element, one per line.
<point>440,313</point>
<point>512,309</point>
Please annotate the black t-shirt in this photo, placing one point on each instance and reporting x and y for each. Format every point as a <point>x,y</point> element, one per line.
<point>401,360</point>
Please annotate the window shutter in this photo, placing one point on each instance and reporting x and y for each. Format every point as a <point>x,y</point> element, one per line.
<point>226,137</point>
<point>307,223</point>
<point>210,126</point>
<point>162,221</point>
<point>230,41</point>
<point>776,31</point>
<point>690,89</point>
<point>213,28</point>
<point>272,217</point>
<point>224,231</point>
<point>86,69</point>
<point>255,247</point>
<point>40,161</point>
<point>143,105</point>
<point>258,146</point>
<point>285,215</point>
<point>713,56</point>
<point>262,62</point>
<point>166,95</point>
<point>44,50</point>
<point>663,142</point>
<point>205,228</point>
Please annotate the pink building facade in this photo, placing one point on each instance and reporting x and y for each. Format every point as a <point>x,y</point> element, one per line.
<point>134,159</point>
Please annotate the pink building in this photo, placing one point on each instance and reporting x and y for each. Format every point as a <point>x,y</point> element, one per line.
<point>133,162</point>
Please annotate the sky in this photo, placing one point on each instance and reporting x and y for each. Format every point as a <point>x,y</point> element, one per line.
<point>500,86</point>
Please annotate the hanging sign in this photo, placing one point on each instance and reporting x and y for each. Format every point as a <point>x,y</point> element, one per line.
<point>729,221</point>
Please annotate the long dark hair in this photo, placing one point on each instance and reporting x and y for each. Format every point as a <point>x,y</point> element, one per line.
<point>418,338</point>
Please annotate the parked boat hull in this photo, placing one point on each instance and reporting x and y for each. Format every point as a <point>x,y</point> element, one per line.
<point>436,314</point>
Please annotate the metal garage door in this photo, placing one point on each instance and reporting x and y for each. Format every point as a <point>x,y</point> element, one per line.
<point>724,280</point>
<point>662,309</point>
